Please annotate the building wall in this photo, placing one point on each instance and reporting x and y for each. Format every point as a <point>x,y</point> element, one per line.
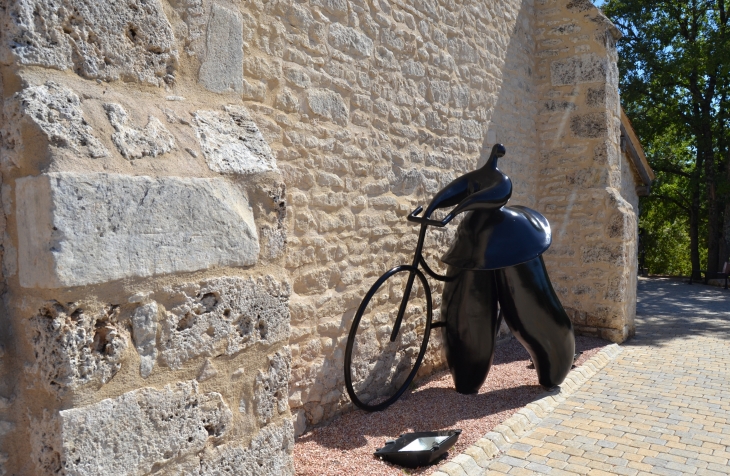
<point>579,186</point>
<point>630,180</point>
<point>196,195</point>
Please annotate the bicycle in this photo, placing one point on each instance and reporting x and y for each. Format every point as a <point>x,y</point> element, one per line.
<point>373,389</point>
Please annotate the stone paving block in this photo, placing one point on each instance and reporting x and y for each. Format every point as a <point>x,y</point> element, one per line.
<point>625,471</point>
<point>506,432</point>
<point>540,468</point>
<point>453,469</point>
<point>479,456</point>
<point>467,463</point>
<point>488,446</point>
<point>499,466</point>
<point>497,439</point>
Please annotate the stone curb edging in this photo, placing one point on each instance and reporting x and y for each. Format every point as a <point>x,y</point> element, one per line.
<point>475,459</point>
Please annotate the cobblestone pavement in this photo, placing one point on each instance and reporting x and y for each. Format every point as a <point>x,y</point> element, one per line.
<point>661,407</point>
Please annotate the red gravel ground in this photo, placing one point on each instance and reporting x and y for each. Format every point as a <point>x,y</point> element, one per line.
<point>346,445</point>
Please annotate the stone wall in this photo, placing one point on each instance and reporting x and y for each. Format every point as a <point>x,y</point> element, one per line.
<point>389,103</point>
<point>146,304</point>
<point>197,194</point>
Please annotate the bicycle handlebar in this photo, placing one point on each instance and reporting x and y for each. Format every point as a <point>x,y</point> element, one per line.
<point>425,221</point>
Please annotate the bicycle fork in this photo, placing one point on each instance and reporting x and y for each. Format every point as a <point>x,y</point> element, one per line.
<point>409,283</point>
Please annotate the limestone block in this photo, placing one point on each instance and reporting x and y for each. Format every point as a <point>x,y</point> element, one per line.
<point>77,229</point>
<point>131,41</point>
<point>299,421</point>
<point>329,105</point>
<point>589,126</point>
<point>232,143</point>
<point>471,129</point>
<point>270,452</point>
<point>135,143</point>
<point>193,13</point>
<point>440,91</point>
<point>208,371</point>
<point>144,332</point>
<point>222,68</point>
<point>224,315</point>
<point>45,443</point>
<point>337,8</point>
<point>57,111</point>
<point>350,40</point>
<point>141,430</point>
<point>271,391</point>
<point>413,68</point>
<point>74,347</point>
<point>588,68</point>
<point>287,100</point>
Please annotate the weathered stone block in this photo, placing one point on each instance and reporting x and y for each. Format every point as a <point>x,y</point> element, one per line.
<point>350,40</point>
<point>57,111</point>
<point>144,332</point>
<point>603,253</point>
<point>222,68</point>
<point>287,100</point>
<point>77,229</point>
<point>589,126</point>
<point>74,347</point>
<point>224,315</point>
<point>329,105</point>
<point>131,41</point>
<point>271,391</point>
<point>134,143</point>
<point>270,452</point>
<point>588,68</point>
<point>141,430</point>
<point>232,143</point>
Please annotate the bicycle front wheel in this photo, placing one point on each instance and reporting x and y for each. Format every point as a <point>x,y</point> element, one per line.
<point>378,370</point>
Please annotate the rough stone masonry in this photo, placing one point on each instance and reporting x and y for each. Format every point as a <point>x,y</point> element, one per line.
<point>196,194</point>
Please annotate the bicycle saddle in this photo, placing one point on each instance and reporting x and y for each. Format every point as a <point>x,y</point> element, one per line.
<point>499,238</point>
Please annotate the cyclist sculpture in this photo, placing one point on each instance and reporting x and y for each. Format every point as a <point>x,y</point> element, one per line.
<point>494,260</point>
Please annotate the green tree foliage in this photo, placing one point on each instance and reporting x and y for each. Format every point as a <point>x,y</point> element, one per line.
<point>675,84</point>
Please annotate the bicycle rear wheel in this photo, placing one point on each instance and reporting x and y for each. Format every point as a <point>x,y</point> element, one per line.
<point>378,371</point>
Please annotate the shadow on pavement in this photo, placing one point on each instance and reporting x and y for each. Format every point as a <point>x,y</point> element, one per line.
<point>669,308</point>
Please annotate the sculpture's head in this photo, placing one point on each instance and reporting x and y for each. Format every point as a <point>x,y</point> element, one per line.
<point>497,151</point>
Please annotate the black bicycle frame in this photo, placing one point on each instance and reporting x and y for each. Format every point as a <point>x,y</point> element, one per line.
<point>418,259</point>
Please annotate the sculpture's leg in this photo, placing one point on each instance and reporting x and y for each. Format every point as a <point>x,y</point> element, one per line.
<point>469,308</point>
<point>537,319</point>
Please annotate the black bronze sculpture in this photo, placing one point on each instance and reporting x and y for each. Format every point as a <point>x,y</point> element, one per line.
<point>495,259</point>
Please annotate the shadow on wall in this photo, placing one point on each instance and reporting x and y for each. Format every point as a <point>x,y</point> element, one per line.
<point>512,119</point>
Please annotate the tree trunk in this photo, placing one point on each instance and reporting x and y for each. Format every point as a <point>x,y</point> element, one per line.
<point>713,208</point>
<point>694,218</point>
<point>725,251</point>
<point>694,240</point>
<point>725,254</point>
